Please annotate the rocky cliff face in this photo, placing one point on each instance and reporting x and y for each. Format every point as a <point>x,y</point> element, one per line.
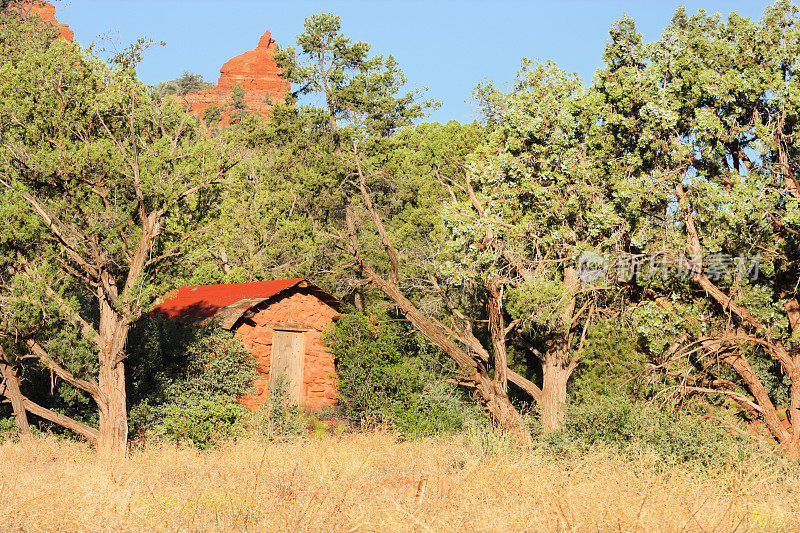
<point>256,72</point>
<point>46,11</point>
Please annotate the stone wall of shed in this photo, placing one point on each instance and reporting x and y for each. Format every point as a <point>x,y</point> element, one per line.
<point>298,309</point>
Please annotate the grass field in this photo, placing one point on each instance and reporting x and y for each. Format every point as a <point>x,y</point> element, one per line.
<point>373,482</point>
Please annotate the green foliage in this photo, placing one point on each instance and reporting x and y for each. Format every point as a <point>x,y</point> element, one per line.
<point>89,154</point>
<point>185,382</point>
<point>8,428</point>
<point>278,418</point>
<point>185,84</point>
<point>371,368</point>
<point>82,179</point>
<point>387,374</point>
<point>537,302</point>
<point>212,115</point>
<point>635,427</point>
<point>30,309</point>
<point>106,176</point>
<point>436,408</point>
<point>204,423</point>
<point>218,365</point>
<point>237,98</point>
<point>612,363</point>
<point>710,107</point>
<point>295,179</point>
<point>359,90</point>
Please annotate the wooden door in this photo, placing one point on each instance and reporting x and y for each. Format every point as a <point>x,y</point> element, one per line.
<point>288,348</point>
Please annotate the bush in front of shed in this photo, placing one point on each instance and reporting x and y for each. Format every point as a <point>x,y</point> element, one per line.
<point>388,374</point>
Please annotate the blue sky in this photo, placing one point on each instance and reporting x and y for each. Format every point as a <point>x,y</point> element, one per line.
<point>447,46</point>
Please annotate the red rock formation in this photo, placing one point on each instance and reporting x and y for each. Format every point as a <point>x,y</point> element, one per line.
<point>46,11</point>
<point>256,72</point>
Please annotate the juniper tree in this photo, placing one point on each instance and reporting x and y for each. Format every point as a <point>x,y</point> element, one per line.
<point>116,178</point>
<point>704,123</point>
<point>536,204</point>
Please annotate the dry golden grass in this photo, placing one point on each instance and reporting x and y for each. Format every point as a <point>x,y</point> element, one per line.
<point>371,482</point>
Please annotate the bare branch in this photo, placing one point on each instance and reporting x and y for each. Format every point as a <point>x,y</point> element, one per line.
<point>89,433</point>
<point>737,396</point>
<point>394,261</point>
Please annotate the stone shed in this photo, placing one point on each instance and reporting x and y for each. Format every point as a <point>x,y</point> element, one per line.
<point>281,323</point>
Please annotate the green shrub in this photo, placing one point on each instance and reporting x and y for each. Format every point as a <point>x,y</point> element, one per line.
<point>388,374</point>
<point>204,423</point>
<point>635,427</point>
<point>277,418</point>
<point>185,382</point>
<point>218,364</point>
<point>8,429</point>
<point>611,362</point>
<point>187,83</point>
<point>212,115</point>
<point>237,97</point>
<point>436,408</point>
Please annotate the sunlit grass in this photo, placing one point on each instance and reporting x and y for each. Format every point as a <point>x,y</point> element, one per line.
<point>373,482</point>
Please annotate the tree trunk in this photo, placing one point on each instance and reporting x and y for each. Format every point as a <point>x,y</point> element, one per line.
<point>497,329</point>
<point>113,336</point>
<point>113,435</point>
<point>12,392</point>
<point>502,411</point>
<point>358,299</point>
<point>556,363</point>
<point>554,393</point>
<point>793,445</point>
<point>113,411</point>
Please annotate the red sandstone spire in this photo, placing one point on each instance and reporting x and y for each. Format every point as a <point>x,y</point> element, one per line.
<point>257,73</point>
<point>266,40</point>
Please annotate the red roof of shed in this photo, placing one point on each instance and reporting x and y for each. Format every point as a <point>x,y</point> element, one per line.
<point>220,304</point>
